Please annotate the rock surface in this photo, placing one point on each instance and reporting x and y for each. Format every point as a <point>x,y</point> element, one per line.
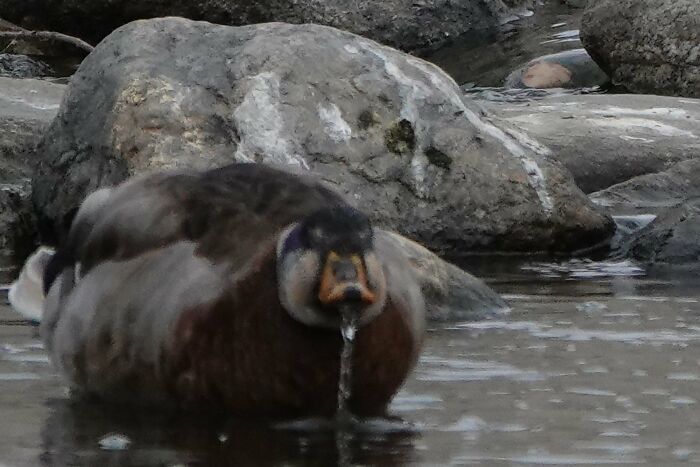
<point>450,293</point>
<point>405,24</point>
<point>388,130</point>
<point>574,3</point>
<point>21,66</point>
<point>647,46</point>
<point>26,108</point>
<point>608,139</point>
<point>569,69</point>
<point>653,193</point>
<point>672,239</point>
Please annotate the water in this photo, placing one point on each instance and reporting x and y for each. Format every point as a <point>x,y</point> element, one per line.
<point>343,434</point>
<point>597,363</point>
<point>486,61</point>
<point>347,329</point>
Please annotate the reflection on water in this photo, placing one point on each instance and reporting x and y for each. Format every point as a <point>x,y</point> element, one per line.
<point>597,364</point>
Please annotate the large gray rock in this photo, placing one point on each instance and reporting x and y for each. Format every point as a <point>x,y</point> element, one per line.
<point>607,139</point>
<point>648,46</point>
<point>672,239</point>
<point>653,193</point>
<point>26,108</point>
<point>388,130</point>
<point>405,24</point>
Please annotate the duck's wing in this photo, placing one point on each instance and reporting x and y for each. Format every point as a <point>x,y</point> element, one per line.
<point>226,212</point>
<point>26,294</point>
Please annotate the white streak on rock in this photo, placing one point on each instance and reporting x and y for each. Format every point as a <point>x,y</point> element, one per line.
<point>261,126</point>
<point>634,138</point>
<point>351,49</point>
<point>641,124</point>
<point>449,88</point>
<point>333,123</point>
<point>411,92</point>
<point>654,111</point>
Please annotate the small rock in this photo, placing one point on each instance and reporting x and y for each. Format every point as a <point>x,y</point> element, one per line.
<point>450,293</point>
<point>672,239</point>
<point>569,69</point>
<point>21,66</point>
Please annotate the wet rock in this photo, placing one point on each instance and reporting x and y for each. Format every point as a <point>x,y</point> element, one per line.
<point>647,46</point>
<point>7,26</point>
<point>608,139</point>
<point>387,129</point>
<point>42,54</point>
<point>17,224</point>
<point>569,69</point>
<point>21,66</point>
<point>653,193</point>
<point>26,108</point>
<point>450,293</point>
<point>672,239</point>
<point>408,25</point>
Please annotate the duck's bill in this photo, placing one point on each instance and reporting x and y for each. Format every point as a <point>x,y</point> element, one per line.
<point>344,280</point>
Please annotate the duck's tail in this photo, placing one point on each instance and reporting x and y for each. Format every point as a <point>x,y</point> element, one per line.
<point>27,292</point>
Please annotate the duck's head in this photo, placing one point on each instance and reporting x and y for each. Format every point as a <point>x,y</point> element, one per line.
<point>326,263</point>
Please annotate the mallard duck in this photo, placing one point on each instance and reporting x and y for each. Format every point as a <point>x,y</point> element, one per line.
<point>223,290</point>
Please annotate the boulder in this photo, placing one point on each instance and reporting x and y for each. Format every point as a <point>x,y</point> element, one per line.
<point>387,129</point>
<point>647,46</point>
<point>653,193</point>
<point>672,239</point>
<point>26,108</point>
<point>405,24</point>
<point>450,293</point>
<point>568,69</point>
<point>606,139</point>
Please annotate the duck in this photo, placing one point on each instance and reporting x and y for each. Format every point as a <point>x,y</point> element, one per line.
<point>226,291</point>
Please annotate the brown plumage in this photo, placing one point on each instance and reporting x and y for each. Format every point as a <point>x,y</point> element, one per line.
<point>170,291</point>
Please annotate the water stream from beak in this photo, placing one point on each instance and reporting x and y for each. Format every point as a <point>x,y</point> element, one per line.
<point>344,418</point>
<point>348,329</point>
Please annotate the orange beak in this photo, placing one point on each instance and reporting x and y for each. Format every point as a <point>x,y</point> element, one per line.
<point>344,279</point>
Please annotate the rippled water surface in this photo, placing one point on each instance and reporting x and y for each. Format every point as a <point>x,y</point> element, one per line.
<point>596,364</point>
